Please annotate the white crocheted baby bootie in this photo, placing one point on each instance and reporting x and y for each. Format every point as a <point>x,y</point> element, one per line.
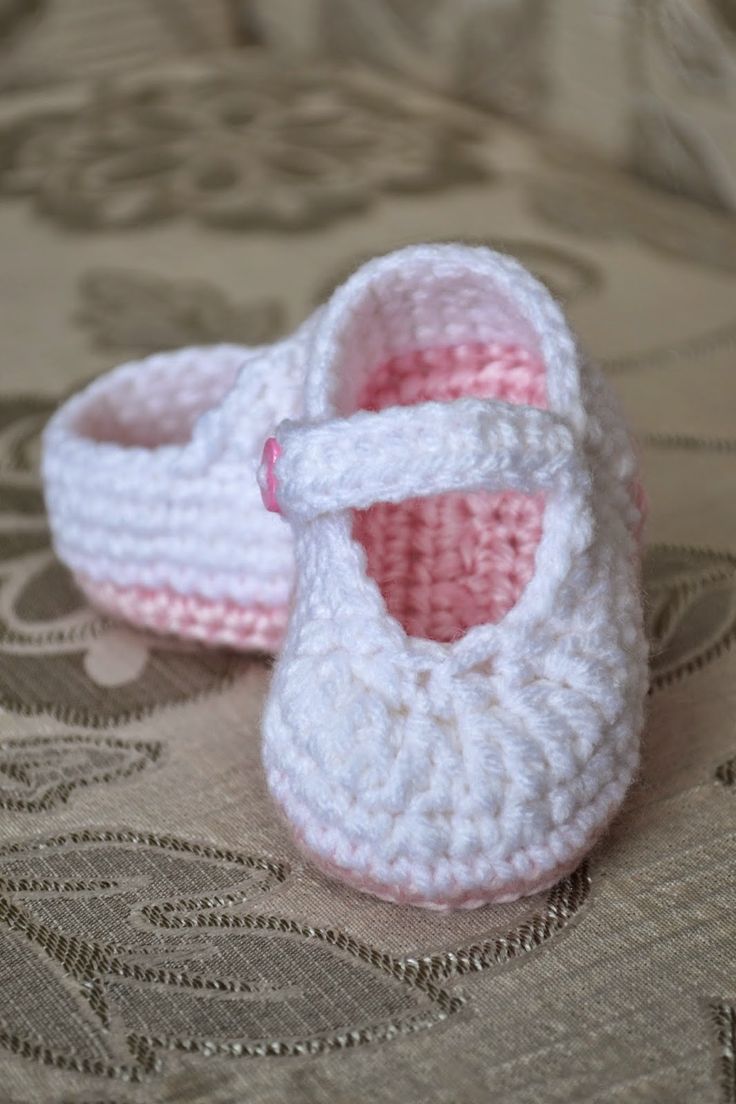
<point>148,495</point>
<point>456,712</point>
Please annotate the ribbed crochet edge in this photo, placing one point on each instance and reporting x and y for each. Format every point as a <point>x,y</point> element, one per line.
<point>163,611</point>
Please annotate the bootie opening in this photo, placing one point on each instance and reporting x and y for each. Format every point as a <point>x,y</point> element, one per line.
<point>160,405</point>
<point>452,561</point>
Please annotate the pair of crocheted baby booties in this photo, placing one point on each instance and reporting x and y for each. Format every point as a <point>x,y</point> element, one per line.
<point>452,585</point>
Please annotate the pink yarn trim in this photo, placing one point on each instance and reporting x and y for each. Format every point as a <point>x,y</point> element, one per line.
<point>254,628</point>
<point>449,562</point>
<point>267,480</point>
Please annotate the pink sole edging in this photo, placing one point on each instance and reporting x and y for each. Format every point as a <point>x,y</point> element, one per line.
<point>470,899</point>
<point>249,628</point>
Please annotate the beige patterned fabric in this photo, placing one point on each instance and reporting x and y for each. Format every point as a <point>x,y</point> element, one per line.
<point>649,84</point>
<point>162,940</point>
<point>45,41</point>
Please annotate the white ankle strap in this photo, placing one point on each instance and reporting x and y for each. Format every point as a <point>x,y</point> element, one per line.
<point>414,451</point>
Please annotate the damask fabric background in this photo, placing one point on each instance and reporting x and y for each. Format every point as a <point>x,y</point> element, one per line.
<point>163,941</point>
<point>649,84</point>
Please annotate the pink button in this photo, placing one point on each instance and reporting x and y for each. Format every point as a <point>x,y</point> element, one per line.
<point>267,475</point>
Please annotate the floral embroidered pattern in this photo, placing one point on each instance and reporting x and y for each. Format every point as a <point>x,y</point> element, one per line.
<point>700,345</point>
<point>37,773</point>
<point>157,946</point>
<point>691,608</point>
<point>56,654</point>
<point>683,73</point>
<point>688,443</point>
<point>245,145</point>
<point>726,773</point>
<point>563,902</point>
<point>602,205</point>
<point>135,313</point>
<point>723,1019</point>
<point>492,53</point>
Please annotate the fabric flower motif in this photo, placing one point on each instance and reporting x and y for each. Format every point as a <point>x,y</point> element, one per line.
<point>245,146</point>
<point>155,946</point>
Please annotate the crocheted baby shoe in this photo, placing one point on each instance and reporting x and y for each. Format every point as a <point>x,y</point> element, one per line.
<point>455,714</point>
<point>148,495</point>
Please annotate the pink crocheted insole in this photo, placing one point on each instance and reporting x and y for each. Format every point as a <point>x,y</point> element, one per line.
<point>452,561</point>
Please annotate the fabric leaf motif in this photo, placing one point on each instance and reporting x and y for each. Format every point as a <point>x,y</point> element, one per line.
<point>602,205</point>
<point>668,150</point>
<point>561,904</point>
<point>387,35</point>
<point>38,773</point>
<point>501,56</point>
<point>722,1016</point>
<point>135,313</point>
<point>694,44</point>
<point>726,773</point>
<point>21,421</point>
<point>155,945</point>
<point>690,608</point>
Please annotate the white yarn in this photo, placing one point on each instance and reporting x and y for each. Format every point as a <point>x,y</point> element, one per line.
<point>484,444</point>
<point>150,473</point>
<point>454,774</point>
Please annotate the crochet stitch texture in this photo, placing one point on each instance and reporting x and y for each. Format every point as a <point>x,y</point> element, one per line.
<point>150,486</point>
<point>456,711</point>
